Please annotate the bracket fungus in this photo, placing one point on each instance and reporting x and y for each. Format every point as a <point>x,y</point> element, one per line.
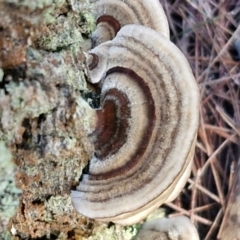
<point>112,15</point>
<point>175,228</point>
<point>146,127</point>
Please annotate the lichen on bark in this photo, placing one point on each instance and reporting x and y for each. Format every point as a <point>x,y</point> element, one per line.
<point>9,193</point>
<point>42,76</point>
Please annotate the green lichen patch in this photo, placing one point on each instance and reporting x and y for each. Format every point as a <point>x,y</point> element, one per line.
<point>1,74</point>
<point>63,25</point>
<point>114,232</point>
<point>58,205</point>
<point>9,193</point>
<point>40,115</point>
<point>34,5</point>
<point>6,235</point>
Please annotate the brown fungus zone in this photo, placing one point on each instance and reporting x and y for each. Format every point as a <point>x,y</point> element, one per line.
<point>114,123</point>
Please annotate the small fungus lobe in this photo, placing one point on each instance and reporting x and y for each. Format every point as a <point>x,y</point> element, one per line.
<point>112,15</point>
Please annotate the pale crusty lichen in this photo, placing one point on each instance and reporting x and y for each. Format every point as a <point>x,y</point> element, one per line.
<point>1,74</point>
<point>84,9</point>
<point>6,235</point>
<point>57,205</point>
<point>37,4</point>
<point>65,34</point>
<point>114,232</point>
<point>76,77</point>
<point>67,28</point>
<point>9,193</point>
<point>52,146</point>
<point>41,116</point>
<point>23,100</point>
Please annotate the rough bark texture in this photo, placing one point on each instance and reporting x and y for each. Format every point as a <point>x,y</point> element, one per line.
<point>42,75</point>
